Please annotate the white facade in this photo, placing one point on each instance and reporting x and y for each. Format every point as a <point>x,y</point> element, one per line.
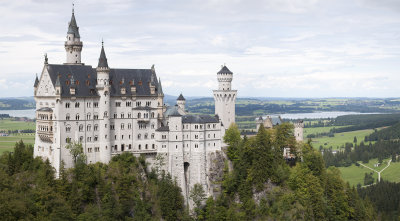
<point>111,111</point>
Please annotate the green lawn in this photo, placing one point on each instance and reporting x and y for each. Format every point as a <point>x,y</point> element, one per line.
<point>355,174</point>
<point>314,130</point>
<point>341,138</point>
<point>392,173</point>
<point>372,162</point>
<point>8,143</point>
<point>7,124</point>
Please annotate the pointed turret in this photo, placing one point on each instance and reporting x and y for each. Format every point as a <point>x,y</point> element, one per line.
<point>181,102</point>
<point>102,59</point>
<point>73,27</point>
<point>36,82</point>
<point>160,91</point>
<point>181,98</point>
<point>73,45</point>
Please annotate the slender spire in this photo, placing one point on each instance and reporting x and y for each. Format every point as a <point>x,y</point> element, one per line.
<point>73,27</point>
<point>159,86</point>
<point>36,81</point>
<point>46,60</point>
<point>181,98</point>
<point>103,59</point>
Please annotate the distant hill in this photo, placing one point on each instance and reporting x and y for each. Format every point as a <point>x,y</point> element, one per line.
<point>17,103</point>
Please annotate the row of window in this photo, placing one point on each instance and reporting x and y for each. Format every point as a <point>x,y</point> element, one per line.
<point>96,116</point>
<point>117,104</point>
<point>187,136</point>
<point>45,116</point>
<point>45,128</point>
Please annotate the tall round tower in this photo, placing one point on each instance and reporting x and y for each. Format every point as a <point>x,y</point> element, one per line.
<point>73,44</point>
<point>225,97</point>
<point>103,87</point>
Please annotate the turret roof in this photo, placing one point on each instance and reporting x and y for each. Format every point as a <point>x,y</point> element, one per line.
<point>73,27</point>
<point>103,59</point>
<point>224,70</point>
<point>181,98</point>
<point>36,81</point>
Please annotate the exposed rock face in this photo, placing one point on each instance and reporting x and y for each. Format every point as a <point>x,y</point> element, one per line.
<point>216,165</point>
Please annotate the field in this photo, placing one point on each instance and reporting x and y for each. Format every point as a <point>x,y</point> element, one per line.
<point>7,143</point>
<point>355,174</point>
<point>392,173</point>
<point>340,139</point>
<point>7,124</point>
<point>315,130</point>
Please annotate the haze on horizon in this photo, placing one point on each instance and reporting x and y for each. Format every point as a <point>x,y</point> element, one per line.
<point>276,48</point>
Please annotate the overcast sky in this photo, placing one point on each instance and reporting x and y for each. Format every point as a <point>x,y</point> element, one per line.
<point>275,48</point>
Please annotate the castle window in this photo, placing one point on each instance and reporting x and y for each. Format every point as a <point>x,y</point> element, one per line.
<point>201,126</point>
<point>122,126</point>
<point>67,117</point>
<point>196,136</point>
<point>95,116</point>
<point>67,105</point>
<point>95,104</point>
<point>152,126</point>
<point>118,104</point>
<point>88,127</point>
<point>208,126</point>
<point>122,115</point>
<point>122,137</point>
<point>152,114</point>
<point>88,104</point>
<point>96,138</point>
<point>214,135</point>
<point>95,127</point>
<point>145,136</point>
<point>67,140</point>
<point>139,136</point>
<point>140,146</point>
<point>129,115</point>
<point>128,103</point>
<point>130,146</point>
<point>115,137</point>
<point>208,135</point>
<point>116,147</point>
<point>139,115</point>
<point>115,115</point>
<point>176,137</point>
<point>146,146</point>
<point>129,136</point>
<point>97,149</point>
<point>81,139</point>
<point>112,127</point>
<point>196,146</point>
<point>129,126</point>
<point>77,105</point>
<point>105,114</point>
<point>153,146</point>
<point>164,136</point>
<point>77,117</point>
<point>152,136</point>
<point>89,150</point>
<point>88,116</point>
<point>81,127</point>
<point>213,125</point>
<point>68,128</point>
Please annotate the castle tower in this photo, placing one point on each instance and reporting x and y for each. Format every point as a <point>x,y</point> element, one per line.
<point>73,45</point>
<point>103,88</point>
<point>298,130</point>
<point>225,97</point>
<point>181,101</point>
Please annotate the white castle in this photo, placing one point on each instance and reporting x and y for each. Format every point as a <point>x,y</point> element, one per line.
<point>112,111</point>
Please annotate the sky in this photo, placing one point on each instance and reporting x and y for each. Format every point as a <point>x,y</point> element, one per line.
<point>275,48</point>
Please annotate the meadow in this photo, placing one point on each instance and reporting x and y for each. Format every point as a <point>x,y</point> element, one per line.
<point>340,139</point>
<point>7,142</point>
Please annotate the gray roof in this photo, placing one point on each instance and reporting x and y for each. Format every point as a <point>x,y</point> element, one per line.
<point>102,59</point>
<point>85,78</point>
<point>224,70</point>
<point>181,98</point>
<point>47,109</point>
<point>201,119</point>
<point>276,120</point>
<point>73,27</point>
<point>163,128</point>
<point>172,111</point>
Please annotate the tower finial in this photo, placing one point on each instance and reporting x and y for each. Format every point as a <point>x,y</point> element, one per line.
<point>46,60</point>
<point>73,5</point>
<point>102,42</point>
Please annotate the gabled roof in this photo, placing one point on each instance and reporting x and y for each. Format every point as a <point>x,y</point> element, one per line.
<point>181,98</point>
<point>224,70</point>
<point>85,79</point>
<point>172,111</point>
<point>73,27</point>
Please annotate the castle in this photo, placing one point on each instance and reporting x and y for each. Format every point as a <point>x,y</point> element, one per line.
<point>111,111</point>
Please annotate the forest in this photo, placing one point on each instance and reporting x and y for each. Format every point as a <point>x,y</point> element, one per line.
<point>258,185</point>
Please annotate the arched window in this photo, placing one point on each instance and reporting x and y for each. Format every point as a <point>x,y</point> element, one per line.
<point>105,114</point>
<point>139,136</point>
<point>77,116</point>
<point>67,117</point>
<point>81,127</point>
<point>139,115</point>
<point>88,127</point>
